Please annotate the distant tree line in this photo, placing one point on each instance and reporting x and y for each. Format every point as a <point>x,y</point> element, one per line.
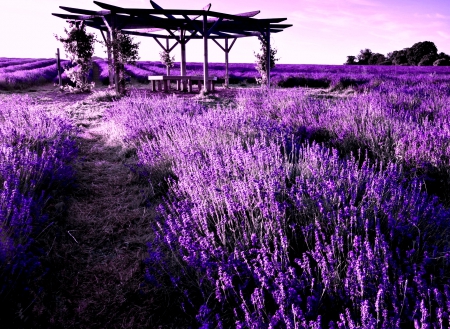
<point>420,54</point>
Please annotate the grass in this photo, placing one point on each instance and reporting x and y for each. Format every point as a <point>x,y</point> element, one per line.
<point>97,245</point>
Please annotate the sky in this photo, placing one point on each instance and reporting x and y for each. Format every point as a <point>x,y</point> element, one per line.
<point>323,31</point>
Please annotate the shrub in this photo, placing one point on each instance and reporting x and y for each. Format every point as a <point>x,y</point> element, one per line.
<point>124,51</point>
<point>441,62</point>
<point>79,46</point>
<point>261,61</point>
<point>427,60</point>
<point>167,60</point>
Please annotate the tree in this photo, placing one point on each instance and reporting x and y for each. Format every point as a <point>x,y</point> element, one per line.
<point>261,61</point>
<point>167,60</point>
<point>79,46</point>
<point>442,62</point>
<point>350,60</point>
<point>398,57</point>
<point>428,60</point>
<point>443,55</point>
<point>124,51</point>
<point>376,59</point>
<point>419,50</point>
<point>364,56</point>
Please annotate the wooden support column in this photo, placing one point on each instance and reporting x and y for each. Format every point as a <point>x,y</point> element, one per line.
<point>113,68</point>
<point>116,69</point>
<point>205,54</point>
<point>58,66</point>
<point>183,58</point>
<point>110,59</point>
<point>268,56</point>
<point>167,50</point>
<point>227,51</point>
<point>227,77</point>
<point>107,40</point>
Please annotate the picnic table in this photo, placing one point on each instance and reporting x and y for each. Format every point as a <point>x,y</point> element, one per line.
<point>162,82</point>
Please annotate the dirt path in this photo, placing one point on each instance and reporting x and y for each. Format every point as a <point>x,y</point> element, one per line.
<point>100,242</point>
<point>96,261</point>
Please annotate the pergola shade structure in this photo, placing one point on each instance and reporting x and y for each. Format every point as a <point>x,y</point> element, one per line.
<point>181,26</point>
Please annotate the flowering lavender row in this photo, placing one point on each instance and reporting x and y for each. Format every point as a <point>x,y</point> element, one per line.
<point>139,74</point>
<point>103,70</point>
<point>5,62</point>
<point>25,78</point>
<point>289,75</point>
<point>403,120</point>
<point>35,149</point>
<point>28,66</point>
<point>270,229</point>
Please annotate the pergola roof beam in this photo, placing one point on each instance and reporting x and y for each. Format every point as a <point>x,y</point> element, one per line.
<point>156,6</point>
<point>214,25</point>
<point>84,11</point>
<point>141,12</point>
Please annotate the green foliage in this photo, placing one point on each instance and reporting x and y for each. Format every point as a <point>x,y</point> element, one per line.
<point>167,60</point>
<point>419,50</point>
<point>124,51</point>
<point>399,57</point>
<point>364,56</point>
<point>376,59</point>
<point>442,55</point>
<point>421,53</point>
<point>442,62</point>
<point>350,60</point>
<point>79,46</point>
<point>428,60</point>
<point>261,61</point>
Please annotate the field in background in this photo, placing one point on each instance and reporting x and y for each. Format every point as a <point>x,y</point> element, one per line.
<point>318,207</point>
<point>16,74</point>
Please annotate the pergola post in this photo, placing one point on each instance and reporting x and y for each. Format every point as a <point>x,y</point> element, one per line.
<point>268,56</point>
<point>116,66</point>
<point>58,66</point>
<point>167,50</point>
<point>205,54</point>
<point>183,62</point>
<point>110,59</point>
<point>227,51</point>
<point>142,22</point>
<point>227,79</point>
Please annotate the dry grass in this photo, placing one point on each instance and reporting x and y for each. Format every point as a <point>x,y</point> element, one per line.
<point>95,251</point>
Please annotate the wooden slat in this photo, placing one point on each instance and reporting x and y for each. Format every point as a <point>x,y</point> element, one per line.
<point>161,36</point>
<point>219,44</point>
<point>156,6</point>
<point>249,14</point>
<point>108,7</point>
<point>84,11</point>
<point>135,11</point>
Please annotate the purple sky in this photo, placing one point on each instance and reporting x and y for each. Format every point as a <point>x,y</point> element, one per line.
<point>324,31</point>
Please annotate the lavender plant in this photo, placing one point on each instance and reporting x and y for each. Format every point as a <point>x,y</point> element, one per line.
<point>277,216</point>
<point>36,148</point>
<point>20,79</point>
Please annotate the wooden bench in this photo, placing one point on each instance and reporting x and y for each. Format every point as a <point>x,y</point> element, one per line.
<point>162,82</point>
<point>199,79</point>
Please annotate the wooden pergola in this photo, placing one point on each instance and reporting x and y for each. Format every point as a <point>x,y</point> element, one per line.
<point>189,24</point>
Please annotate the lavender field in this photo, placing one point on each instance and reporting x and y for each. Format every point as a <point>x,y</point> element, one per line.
<point>22,73</point>
<point>320,203</point>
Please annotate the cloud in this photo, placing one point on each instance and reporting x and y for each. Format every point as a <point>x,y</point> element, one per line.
<point>442,16</point>
<point>443,34</point>
<point>365,3</point>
